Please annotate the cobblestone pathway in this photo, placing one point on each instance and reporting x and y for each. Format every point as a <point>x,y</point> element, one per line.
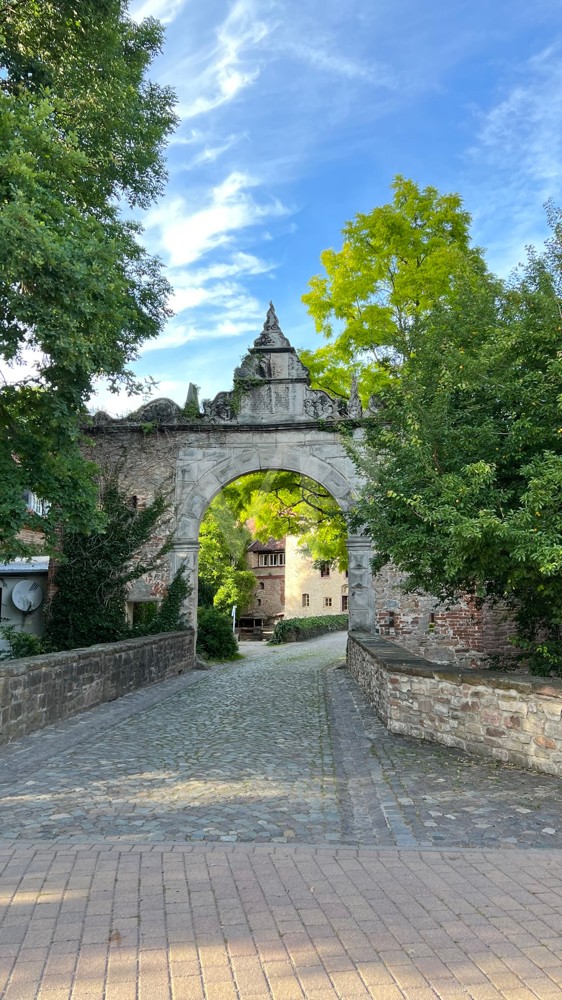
<point>280,747</point>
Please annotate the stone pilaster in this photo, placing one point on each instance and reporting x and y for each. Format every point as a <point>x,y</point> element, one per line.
<point>361,604</point>
<point>186,554</point>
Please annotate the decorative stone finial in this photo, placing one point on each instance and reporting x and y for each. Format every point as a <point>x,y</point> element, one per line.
<point>271,320</point>
<point>354,407</point>
<point>272,335</point>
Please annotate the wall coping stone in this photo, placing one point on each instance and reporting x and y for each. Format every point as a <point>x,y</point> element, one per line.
<point>394,657</point>
<point>40,661</point>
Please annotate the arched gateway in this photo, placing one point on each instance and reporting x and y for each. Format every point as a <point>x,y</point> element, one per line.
<point>271,419</point>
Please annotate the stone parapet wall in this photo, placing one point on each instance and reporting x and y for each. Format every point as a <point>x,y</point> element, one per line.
<point>39,690</point>
<point>513,718</point>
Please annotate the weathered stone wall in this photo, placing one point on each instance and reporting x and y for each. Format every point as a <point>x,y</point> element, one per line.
<point>462,634</point>
<point>40,690</point>
<point>514,718</point>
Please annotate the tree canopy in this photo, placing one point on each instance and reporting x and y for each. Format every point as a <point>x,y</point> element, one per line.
<point>82,130</point>
<point>395,264</point>
<point>463,459</point>
<point>261,506</point>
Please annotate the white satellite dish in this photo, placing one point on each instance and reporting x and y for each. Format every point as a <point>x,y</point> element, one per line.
<point>27,595</point>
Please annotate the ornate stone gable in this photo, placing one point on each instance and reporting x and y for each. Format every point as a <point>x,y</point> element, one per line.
<point>273,386</point>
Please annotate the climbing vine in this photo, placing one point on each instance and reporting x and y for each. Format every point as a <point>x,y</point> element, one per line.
<point>92,577</point>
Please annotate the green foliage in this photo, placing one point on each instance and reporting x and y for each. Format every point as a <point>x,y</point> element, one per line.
<point>215,638</point>
<point>223,571</point>
<point>20,643</point>
<point>299,629</point>
<point>169,617</point>
<point>464,457</point>
<point>92,578</point>
<point>279,503</point>
<point>81,134</point>
<point>395,263</point>
<point>236,589</point>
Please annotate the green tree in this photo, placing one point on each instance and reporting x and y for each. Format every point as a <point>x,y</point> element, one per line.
<point>224,577</point>
<point>395,263</point>
<point>81,137</point>
<point>463,459</point>
<point>89,605</point>
<point>279,503</point>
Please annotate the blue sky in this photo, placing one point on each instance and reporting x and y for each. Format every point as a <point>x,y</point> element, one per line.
<point>296,115</point>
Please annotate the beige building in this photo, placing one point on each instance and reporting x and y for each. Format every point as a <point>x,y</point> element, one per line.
<point>290,585</point>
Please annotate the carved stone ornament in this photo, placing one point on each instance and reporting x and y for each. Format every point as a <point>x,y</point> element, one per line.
<point>354,408</point>
<point>220,409</point>
<point>271,335</point>
<point>101,417</point>
<point>319,405</point>
<point>157,411</point>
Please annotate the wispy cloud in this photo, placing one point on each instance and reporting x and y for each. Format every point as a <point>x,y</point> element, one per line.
<point>337,64</point>
<point>229,65</point>
<point>519,151</point>
<point>165,10</point>
<point>185,234</point>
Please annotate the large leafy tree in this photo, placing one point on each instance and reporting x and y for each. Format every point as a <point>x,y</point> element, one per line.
<point>224,577</point>
<point>81,137</point>
<point>95,569</point>
<point>396,262</point>
<point>279,503</point>
<point>464,455</point>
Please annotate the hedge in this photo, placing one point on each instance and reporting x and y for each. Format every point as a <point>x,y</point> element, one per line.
<point>298,629</point>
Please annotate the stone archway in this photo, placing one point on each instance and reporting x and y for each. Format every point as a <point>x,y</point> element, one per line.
<point>270,420</point>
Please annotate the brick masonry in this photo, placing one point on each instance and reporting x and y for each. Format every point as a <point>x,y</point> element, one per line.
<point>464,633</point>
<point>513,718</point>
<point>40,690</point>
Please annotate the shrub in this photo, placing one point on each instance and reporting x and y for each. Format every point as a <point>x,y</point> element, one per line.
<point>295,629</point>
<point>20,643</point>
<point>215,638</point>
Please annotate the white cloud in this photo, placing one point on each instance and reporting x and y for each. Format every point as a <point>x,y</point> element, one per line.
<point>186,235</point>
<point>226,65</point>
<point>165,10</point>
<point>340,65</point>
<point>210,154</point>
<point>516,164</point>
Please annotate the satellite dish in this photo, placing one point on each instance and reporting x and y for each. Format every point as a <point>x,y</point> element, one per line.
<point>27,595</point>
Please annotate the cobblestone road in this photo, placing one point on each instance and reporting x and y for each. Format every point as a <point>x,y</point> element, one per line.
<point>362,887</point>
<point>281,748</point>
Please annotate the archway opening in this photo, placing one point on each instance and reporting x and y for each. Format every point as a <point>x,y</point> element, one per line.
<point>272,546</point>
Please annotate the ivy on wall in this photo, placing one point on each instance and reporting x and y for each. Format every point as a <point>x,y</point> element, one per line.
<point>94,572</point>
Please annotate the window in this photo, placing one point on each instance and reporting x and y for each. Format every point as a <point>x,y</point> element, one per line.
<point>142,612</point>
<point>271,559</point>
<point>259,602</point>
<point>35,504</point>
<point>327,602</point>
<point>325,569</point>
<point>344,602</point>
<point>262,585</point>
<point>306,600</point>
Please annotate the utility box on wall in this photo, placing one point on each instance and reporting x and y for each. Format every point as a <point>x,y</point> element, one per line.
<point>23,591</point>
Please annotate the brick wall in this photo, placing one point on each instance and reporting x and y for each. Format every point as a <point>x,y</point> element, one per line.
<point>514,718</point>
<point>463,634</point>
<point>40,690</point>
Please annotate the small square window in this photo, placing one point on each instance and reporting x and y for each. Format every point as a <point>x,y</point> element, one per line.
<point>327,602</point>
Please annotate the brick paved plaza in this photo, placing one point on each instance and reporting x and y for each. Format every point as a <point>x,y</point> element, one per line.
<point>253,831</point>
